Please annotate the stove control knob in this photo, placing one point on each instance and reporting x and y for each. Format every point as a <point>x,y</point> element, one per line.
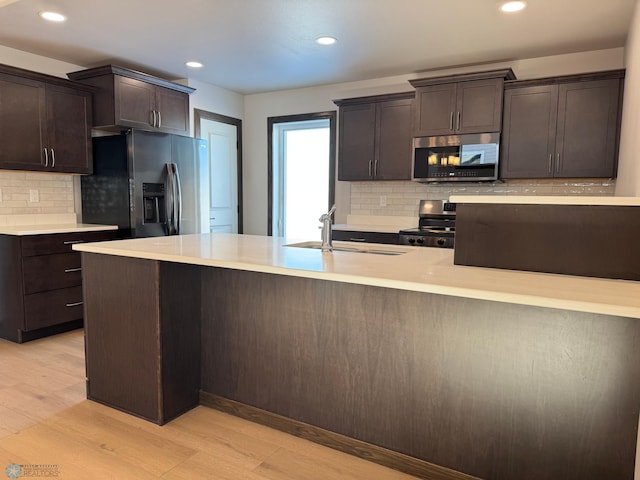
<point>412,241</point>
<point>420,240</point>
<point>440,241</point>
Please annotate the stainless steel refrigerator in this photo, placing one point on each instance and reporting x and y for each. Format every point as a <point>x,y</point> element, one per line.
<point>149,184</point>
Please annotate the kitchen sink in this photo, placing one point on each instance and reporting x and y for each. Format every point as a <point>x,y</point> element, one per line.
<point>345,248</point>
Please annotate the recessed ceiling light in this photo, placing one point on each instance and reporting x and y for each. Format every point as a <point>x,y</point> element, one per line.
<point>53,16</point>
<point>326,40</point>
<point>510,7</point>
<point>193,64</point>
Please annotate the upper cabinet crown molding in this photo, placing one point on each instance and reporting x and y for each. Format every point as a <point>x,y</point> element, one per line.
<point>43,77</point>
<point>126,72</point>
<point>505,73</point>
<point>580,77</point>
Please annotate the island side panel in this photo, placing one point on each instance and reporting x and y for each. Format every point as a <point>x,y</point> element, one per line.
<point>490,389</point>
<point>142,335</point>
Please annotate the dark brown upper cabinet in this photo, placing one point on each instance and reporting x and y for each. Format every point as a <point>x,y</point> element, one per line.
<point>375,137</point>
<point>460,104</point>
<point>127,98</point>
<point>562,127</point>
<point>45,123</point>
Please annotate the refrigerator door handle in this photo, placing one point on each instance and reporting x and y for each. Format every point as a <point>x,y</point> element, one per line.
<point>169,201</point>
<point>178,198</point>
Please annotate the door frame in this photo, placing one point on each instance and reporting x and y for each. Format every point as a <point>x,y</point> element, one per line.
<point>198,116</point>
<point>302,117</point>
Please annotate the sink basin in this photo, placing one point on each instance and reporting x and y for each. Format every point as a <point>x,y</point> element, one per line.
<point>347,248</point>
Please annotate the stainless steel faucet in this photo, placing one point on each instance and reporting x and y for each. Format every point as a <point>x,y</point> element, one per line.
<point>325,218</point>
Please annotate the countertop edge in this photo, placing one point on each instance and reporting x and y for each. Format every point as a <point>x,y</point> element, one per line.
<point>424,287</point>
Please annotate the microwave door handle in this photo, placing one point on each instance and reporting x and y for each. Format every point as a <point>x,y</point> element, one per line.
<point>178,199</point>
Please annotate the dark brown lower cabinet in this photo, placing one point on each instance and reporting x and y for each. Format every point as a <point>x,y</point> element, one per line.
<point>442,387</point>
<point>366,237</point>
<point>143,336</point>
<point>41,283</point>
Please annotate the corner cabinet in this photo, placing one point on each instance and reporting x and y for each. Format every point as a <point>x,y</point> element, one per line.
<point>375,137</point>
<point>460,104</point>
<point>127,98</point>
<point>45,123</point>
<point>562,127</point>
<point>41,283</point>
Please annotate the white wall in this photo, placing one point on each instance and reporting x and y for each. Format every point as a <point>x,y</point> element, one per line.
<point>628,183</point>
<point>216,100</point>
<point>288,102</point>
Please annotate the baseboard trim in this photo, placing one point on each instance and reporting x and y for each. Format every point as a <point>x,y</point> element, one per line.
<point>358,448</point>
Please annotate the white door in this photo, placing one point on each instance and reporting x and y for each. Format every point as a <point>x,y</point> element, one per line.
<point>223,174</point>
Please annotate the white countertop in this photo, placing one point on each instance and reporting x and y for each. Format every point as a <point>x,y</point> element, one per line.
<point>55,228</point>
<point>546,200</point>
<point>419,269</point>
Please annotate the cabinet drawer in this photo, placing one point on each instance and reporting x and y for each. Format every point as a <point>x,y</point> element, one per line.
<point>53,307</point>
<point>61,242</point>
<point>48,272</point>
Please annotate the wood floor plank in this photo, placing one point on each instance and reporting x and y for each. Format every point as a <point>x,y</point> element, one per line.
<point>46,419</point>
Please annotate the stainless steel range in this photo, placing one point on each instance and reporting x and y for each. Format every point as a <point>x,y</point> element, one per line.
<point>436,225</point>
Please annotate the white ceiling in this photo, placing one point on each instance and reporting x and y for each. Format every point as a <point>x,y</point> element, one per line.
<point>254,46</point>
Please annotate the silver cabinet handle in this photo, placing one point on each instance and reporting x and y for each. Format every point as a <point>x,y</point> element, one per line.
<point>458,123</point>
<point>70,270</point>
<point>357,239</point>
<point>75,304</point>
<point>153,118</point>
<point>451,122</point>
<point>557,162</point>
<point>370,163</point>
<point>550,163</point>
<point>53,158</point>
<point>71,242</point>
<point>375,168</point>
<point>159,119</point>
<point>46,157</point>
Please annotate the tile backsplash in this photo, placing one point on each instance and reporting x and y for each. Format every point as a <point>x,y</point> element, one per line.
<point>402,198</point>
<point>35,193</point>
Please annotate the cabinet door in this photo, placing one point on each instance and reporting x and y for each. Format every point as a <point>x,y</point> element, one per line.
<point>135,103</point>
<point>393,133</point>
<point>435,109</point>
<point>173,111</point>
<point>22,123</point>
<point>528,139</point>
<point>357,142</point>
<point>587,129</point>
<point>68,118</point>
<point>479,106</point>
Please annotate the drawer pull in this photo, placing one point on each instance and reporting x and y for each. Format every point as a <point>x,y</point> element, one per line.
<point>357,239</point>
<point>69,270</point>
<point>71,242</point>
<point>76,304</point>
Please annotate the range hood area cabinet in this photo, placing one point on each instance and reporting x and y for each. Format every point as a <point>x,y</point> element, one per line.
<point>45,123</point>
<point>127,98</point>
<point>460,104</point>
<point>562,127</point>
<point>375,137</point>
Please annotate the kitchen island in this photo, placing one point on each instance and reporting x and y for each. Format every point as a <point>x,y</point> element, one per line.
<point>440,370</point>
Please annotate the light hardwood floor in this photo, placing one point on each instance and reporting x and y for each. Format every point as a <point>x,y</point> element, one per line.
<point>45,419</point>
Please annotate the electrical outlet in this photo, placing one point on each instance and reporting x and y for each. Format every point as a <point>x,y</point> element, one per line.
<point>34,196</point>
<point>383,200</point>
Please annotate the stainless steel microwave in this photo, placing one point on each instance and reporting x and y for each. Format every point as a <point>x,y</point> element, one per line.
<point>456,158</point>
